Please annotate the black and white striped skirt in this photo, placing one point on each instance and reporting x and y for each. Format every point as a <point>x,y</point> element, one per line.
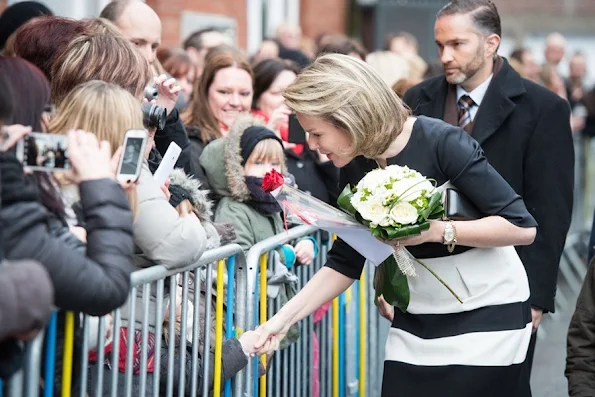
<point>443,348</point>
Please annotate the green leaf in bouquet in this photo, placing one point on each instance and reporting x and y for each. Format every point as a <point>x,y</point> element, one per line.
<point>437,213</point>
<point>434,202</point>
<point>344,200</point>
<point>392,284</point>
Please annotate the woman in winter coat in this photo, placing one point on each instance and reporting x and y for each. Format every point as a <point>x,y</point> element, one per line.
<point>161,235</point>
<point>30,95</point>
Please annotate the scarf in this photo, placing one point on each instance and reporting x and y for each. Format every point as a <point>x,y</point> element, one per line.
<point>260,200</point>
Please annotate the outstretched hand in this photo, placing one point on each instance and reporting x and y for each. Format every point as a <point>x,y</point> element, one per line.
<point>271,334</point>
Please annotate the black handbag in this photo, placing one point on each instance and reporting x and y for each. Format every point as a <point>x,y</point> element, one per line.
<point>457,207</point>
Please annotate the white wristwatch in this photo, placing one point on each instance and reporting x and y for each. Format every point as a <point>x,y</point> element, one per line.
<point>449,238</point>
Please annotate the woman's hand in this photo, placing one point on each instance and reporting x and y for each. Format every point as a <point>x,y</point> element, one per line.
<point>432,235</point>
<point>11,134</point>
<point>271,334</point>
<point>89,158</point>
<point>168,92</point>
<point>79,232</point>
<point>279,119</point>
<point>304,252</point>
<point>385,309</point>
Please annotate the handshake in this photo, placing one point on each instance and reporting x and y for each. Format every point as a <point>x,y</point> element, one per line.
<point>261,341</point>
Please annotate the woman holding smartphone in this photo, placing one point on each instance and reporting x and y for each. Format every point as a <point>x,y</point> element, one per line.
<point>161,235</point>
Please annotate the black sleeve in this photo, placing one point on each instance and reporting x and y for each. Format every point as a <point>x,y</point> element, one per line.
<point>462,161</point>
<point>174,131</point>
<point>548,192</point>
<point>95,283</point>
<point>342,257</point>
<point>581,341</point>
<point>330,176</point>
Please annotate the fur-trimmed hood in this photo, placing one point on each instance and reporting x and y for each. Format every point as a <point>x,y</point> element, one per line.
<point>222,161</point>
<point>198,197</point>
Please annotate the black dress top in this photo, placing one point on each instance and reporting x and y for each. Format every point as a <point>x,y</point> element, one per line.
<point>445,153</point>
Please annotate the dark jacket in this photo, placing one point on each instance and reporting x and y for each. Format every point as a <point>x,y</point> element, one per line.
<point>580,358</point>
<point>94,283</point>
<point>233,360</point>
<point>174,131</point>
<point>321,180</point>
<point>524,130</point>
<point>196,148</point>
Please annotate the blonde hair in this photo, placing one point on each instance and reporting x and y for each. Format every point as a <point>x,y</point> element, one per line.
<point>108,58</point>
<point>390,66</point>
<point>350,95</point>
<point>104,109</point>
<point>268,150</point>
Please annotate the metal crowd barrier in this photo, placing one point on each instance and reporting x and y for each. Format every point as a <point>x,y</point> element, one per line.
<point>29,383</point>
<point>345,361</point>
<point>346,336</point>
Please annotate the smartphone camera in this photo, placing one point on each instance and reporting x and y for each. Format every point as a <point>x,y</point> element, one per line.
<point>154,116</point>
<point>135,142</point>
<point>44,152</point>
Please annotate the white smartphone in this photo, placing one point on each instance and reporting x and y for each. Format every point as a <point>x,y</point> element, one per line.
<point>135,142</point>
<point>44,152</point>
<point>168,162</point>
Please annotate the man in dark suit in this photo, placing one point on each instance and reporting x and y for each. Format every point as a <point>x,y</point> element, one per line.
<point>523,128</point>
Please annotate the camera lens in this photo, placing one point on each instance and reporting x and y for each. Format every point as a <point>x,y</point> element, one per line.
<point>154,116</point>
<point>151,92</point>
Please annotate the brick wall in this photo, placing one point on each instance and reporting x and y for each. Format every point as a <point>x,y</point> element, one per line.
<point>323,16</point>
<point>170,13</point>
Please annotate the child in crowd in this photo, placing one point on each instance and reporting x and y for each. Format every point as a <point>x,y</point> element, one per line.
<point>235,166</point>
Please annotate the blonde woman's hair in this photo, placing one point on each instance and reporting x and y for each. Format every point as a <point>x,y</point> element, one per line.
<point>104,57</point>
<point>104,109</point>
<point>390,66</point>
<point>350,95</point>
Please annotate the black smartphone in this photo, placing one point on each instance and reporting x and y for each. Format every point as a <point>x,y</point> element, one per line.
<point>296,132</point>
<point>44,152</point>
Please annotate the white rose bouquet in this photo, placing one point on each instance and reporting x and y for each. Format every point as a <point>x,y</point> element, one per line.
<point>386,204</point>
<point>395,202</point>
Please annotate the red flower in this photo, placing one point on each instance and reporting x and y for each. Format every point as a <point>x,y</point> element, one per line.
<point>272,181</point>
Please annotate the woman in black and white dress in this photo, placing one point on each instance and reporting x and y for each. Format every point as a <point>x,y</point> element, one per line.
<point>439,347</point>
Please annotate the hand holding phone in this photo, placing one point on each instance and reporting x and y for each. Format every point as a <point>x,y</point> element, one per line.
<point>129,168</point>
<point>44,152</point>
<point>168,162</point>
<point>90,159</point>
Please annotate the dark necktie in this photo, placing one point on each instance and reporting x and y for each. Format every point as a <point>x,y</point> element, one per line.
<point>465,105</point>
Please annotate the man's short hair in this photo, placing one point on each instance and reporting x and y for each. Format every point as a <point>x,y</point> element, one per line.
<point>195,39</point>
<point>114,10</point>
<point>484,14</point>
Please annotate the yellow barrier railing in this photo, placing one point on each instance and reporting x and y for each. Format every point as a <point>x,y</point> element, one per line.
<point>219,327</point>
<point>67,357</point>
<point>263,316</point>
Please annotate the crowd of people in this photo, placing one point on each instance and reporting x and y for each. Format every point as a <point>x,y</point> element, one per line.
<point>70,239</point>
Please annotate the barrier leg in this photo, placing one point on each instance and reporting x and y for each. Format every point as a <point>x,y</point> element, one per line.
<point>263,315</point>
<point>218,328</point>
<point>67,358</point>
